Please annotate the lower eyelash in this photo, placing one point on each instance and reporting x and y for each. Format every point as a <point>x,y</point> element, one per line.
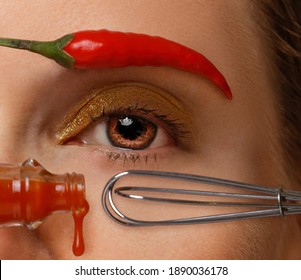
<point>127,157</point>
<point>132,158</point>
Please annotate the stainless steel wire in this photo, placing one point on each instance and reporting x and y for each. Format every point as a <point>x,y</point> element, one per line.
<point>268,201</point>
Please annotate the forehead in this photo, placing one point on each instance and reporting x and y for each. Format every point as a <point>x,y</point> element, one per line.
<point>188,20</point>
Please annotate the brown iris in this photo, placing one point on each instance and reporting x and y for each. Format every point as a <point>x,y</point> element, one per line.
<point>131,132</point>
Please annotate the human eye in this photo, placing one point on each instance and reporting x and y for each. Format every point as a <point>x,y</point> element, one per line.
<point>125,119</point>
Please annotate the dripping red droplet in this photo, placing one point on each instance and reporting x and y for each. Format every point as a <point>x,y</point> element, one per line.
<point>78,241</point>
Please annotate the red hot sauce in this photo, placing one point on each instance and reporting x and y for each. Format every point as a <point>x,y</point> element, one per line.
<point>29,194</point>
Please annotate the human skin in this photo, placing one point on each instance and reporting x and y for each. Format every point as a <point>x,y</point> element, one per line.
<point>236,139</point>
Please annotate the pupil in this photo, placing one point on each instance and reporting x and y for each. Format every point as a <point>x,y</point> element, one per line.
<point>130,128</point>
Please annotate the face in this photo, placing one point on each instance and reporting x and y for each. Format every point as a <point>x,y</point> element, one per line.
<point>236,139</point>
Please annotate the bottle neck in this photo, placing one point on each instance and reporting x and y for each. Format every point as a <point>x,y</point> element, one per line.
<point>75,192</point>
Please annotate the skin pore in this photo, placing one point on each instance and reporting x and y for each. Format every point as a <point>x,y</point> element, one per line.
<point>236,139</point>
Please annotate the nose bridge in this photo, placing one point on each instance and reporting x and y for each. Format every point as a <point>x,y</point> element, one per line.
<point>12,128</point>
<point>23,83</point>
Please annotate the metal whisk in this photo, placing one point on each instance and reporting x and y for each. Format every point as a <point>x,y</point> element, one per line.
<point>257,201</point>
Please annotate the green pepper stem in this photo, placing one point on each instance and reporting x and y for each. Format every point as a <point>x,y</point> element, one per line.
<point>52,49</point>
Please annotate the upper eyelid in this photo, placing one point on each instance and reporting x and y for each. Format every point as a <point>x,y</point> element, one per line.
<point>74,89</point>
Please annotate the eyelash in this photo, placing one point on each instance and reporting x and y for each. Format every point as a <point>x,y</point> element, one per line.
<point>127,157</point>
<point>174,127</point>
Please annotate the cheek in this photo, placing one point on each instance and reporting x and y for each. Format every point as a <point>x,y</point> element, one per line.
<point>240,240</point>
<point>21,244</point>
<point>250,239</point>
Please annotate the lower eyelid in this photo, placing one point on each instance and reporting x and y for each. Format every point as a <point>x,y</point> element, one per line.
<point>143,157</point>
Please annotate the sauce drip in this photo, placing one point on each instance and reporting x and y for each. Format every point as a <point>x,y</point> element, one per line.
<point>78,247</point>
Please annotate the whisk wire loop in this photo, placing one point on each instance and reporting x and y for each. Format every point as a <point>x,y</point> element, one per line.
<point>268,201</point>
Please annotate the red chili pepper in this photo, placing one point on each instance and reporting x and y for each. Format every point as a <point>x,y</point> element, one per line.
<point>111,49</point>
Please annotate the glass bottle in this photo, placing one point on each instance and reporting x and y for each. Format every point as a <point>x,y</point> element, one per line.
<point>29,194</point>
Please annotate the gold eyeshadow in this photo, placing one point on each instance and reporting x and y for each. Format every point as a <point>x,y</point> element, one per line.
<point>122,98</point>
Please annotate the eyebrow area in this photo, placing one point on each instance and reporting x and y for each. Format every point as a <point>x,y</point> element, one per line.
<point>94,49</point>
